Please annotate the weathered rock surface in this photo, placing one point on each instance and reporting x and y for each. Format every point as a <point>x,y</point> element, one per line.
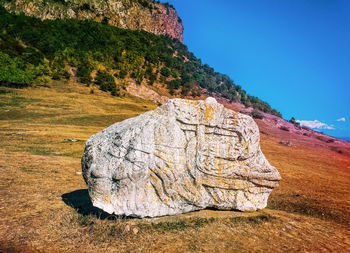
<point>183,156</point>
<point>157,18</point>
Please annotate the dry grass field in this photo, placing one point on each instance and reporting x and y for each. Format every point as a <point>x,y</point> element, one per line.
<point>44,205</point>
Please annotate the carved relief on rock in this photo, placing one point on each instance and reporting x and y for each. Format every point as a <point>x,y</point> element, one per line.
<point>184,156</point>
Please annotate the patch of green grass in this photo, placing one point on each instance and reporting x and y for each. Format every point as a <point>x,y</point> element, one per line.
<point>180,224</point>
<point>255,220</point>
<point>4,91</point>
<point>116,230</point>
<point>27,169</point>
<point>92,120</point>
<point>131,107</point>
<point>201,222</point>
<point>169,226</point>
<point>24,114</point>
<point>85,220</point>
<point>37,150</point>
<point>17,101</point>
<point>75,154</point>
<point>54,106</point>
<point>305,209</point>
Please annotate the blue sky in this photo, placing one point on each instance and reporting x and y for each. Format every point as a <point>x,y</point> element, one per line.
<point>294,54</point>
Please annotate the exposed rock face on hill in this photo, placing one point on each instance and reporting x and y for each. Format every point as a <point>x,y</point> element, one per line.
<point>184,156</point>
<point>144,92</point>
<point>145,15</point>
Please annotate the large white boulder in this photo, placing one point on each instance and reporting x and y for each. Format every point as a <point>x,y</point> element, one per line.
<point>183,156</point>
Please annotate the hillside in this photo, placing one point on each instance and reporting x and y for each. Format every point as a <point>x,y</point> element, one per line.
<point>35,52</point>
<point>44,205</point>
<point>147,15</point>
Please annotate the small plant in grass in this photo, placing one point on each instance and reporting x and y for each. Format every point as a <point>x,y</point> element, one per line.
<point>284,128</point>
<point>201,222</point>
<point>321,138</point>
<point>84,220</point>
<point>116,230</point>
<point>113,230</point>
<point>335,149</point>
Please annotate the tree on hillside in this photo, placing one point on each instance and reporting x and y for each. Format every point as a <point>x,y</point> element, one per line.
<point>106,82</point>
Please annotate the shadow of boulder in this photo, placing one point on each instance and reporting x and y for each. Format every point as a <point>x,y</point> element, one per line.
<point>80,201</point>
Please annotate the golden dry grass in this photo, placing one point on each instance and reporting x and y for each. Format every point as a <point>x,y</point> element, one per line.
<point>44,206</point>
<point>316,180</point>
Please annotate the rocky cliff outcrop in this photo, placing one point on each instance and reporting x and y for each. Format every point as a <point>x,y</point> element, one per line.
<point>184,156</point>
<point>160,19</point>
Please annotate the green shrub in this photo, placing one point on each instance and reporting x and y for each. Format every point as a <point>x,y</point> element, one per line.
<point>165,71</point>
<point>174,84</point>
<point>257,115</point>
<point>122,74</point>
<point>106,82</point>
<point>284,128</point>
<point>84,74</point>
<point>61,74</point>
<point>294,122</point>
<point>14,72</point>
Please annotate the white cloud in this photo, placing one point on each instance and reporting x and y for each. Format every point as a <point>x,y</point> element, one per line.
<point>341,119</point>
<point>314,124</point>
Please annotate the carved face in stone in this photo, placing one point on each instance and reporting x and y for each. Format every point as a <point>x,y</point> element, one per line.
<point>185,155</point>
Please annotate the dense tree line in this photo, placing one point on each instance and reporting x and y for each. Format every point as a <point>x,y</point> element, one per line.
<point>34,51</point>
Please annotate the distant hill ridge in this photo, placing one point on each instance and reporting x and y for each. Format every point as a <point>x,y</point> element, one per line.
<point>148,15</point>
